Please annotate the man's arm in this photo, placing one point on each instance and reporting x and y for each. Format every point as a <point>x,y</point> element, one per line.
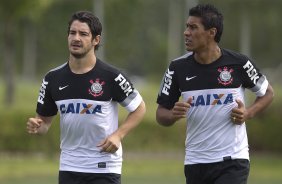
<point>168,117</point>
<point>242,114</point>
<point>112,143</point>
<point>261,103</point>
<point>165,116</point>
<point>39,125</point>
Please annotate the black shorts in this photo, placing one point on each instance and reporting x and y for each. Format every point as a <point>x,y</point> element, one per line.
<point>226,172</point>
<point>69,177</point>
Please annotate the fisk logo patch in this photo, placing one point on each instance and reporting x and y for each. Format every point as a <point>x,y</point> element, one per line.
<point>212,99</point>
<point>167,81</point>
<point>42,92</point>
<point>251,71</point>
<point>80,108</point>
<point>124,84</point>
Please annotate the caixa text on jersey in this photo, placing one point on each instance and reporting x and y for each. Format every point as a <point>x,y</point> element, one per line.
<point>212,99</point>
<point>80,108</point>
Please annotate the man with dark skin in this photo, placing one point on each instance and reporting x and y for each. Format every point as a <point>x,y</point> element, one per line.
<point>211,81</point>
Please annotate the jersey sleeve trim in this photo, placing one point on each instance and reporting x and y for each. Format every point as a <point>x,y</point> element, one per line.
<point>261,86</point>
<point>132,101</point>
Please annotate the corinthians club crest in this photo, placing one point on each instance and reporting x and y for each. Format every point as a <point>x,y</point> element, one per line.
<point>96,88</point>
<point>225,77</point>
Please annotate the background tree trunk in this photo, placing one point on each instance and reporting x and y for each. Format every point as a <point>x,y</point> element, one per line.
<point>29,51</point>
<point>245,32</point>
<point>175,27</point>
<point>98,10</point>
<point>9,59</point>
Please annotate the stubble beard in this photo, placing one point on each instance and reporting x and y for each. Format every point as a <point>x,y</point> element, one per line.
<point>77,55</point>
<point>80,55</point>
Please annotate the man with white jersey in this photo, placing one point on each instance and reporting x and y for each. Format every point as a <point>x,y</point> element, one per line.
<point>211,81</point>
<point>86,91</point>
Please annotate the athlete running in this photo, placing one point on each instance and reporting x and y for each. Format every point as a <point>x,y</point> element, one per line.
<point>211,81</point>
<point>86,92</point>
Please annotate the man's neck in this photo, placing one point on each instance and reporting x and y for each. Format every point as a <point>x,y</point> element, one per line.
<point>82,65</point>
<point>208,55</point>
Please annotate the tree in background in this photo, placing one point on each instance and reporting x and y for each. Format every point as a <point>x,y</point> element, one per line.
<point>12,12</point>
<point>141,36</point>
<point>30,35</point>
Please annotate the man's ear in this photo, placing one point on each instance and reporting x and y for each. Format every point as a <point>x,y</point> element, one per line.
<point>213,32</point>
<point>96,40</point>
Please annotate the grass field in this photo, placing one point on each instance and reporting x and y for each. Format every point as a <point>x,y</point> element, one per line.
<point>149,168</point>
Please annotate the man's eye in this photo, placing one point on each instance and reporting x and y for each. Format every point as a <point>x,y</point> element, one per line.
<point>192,27</point>
<point>84,34</point>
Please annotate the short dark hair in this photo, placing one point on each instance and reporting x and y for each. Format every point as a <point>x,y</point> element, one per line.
<point>211,18</point>
<point>91,20</point>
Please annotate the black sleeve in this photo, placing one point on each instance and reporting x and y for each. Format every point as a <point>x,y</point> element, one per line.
<point>122,87</point>
<point>46,106</point>
<point>250,74</point>
<point>169,92</point>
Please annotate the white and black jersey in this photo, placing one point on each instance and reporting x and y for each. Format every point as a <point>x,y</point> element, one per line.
<point>88,108</point>
<point>211,136</point>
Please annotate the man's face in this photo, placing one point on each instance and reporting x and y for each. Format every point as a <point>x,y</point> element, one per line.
<point>80,39</point>
<point>196,37</point>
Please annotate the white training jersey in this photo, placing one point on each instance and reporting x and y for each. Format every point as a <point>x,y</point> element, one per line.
<point>88,108</point>
<point>211,135</point>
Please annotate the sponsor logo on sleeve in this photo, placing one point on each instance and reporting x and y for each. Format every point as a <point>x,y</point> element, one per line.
<point>167,81</point>
<point>42,92</point>
<point>124,84</point>
<point>251,71</point>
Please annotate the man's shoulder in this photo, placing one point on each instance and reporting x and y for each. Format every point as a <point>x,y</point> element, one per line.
<point>108,69</point>
<point>182,60</point>
<point>103,65</point>
<point>234,55</point>
<point>57,70</point>
<point>184,57</point>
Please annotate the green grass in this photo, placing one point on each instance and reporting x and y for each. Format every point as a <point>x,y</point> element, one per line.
<point>138,168</point>
<point>266,169</point>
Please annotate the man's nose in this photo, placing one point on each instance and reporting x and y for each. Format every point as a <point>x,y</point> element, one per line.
<point>76,36</point>
<point>187,32</point>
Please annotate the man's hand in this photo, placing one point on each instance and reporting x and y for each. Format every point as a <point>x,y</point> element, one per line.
<point>180,109</point>
<point>167,117</point>
<point>33,125</point>
<point>238,114</point>
<point>111,144</point>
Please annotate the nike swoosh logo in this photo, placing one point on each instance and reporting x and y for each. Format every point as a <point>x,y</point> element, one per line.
<point>189,78</point>
<point>61,88</point>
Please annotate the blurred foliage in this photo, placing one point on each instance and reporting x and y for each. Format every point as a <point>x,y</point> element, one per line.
<point>17,9</point>
<point>136,31</point>
<point>265,129</point>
